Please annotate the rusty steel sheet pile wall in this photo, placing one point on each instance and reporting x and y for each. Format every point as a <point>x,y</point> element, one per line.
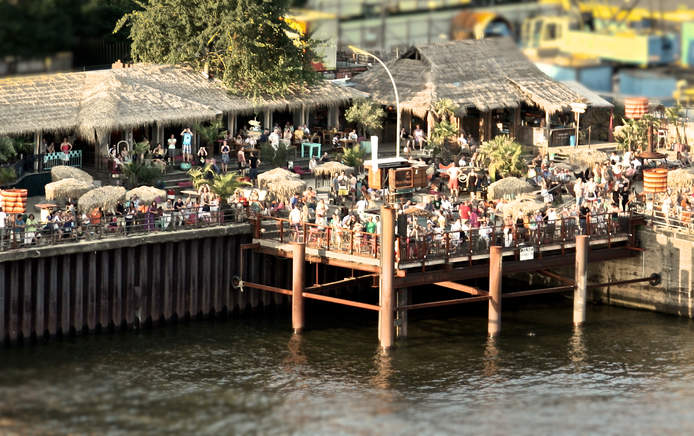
<point>112,286</point>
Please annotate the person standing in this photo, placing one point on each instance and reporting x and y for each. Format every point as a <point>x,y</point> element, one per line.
<point>66,148</point>
<point>225,156</point>
<point>253,163</point>
<point>187,135</point>
<point>171,149</point>
<point>3,227</point>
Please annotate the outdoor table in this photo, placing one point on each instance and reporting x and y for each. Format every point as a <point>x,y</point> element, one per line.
<point>312,146</point>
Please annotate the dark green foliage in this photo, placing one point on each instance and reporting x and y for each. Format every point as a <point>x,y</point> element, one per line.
<point>140,173</point>
<point>33,28</point>
<point>278,158</point>
<point>242,42</point>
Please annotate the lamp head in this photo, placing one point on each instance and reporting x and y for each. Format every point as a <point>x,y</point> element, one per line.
<point>357,50</point>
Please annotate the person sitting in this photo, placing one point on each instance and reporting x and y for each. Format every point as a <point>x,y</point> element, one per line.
<point>353,136</point>
<point>158,152</point>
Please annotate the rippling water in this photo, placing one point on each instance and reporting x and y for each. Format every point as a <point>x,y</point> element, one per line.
<point>626,372</point>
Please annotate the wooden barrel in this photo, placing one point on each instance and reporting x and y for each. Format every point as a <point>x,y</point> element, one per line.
<point>655,180</point>
<point>635,107</point>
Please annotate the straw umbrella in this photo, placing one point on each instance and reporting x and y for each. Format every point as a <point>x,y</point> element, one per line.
<point>417,211</point>
<point>284,189</point>
<point>522,206</point>
<point>332,168</point>
<point>147,194</point>
<point>680,178</point>
<point>61,172</point>
<point>586,158</point>
<point>508,186</point>
<point>274,175</point>
<point>106,197</point>
<point>67,188</point>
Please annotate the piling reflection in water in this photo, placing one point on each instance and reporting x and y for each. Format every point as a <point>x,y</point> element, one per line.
<point>491,357</point>
<point>577,347</point>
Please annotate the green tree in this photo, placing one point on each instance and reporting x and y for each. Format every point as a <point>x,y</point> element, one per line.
<point>208,132</point>
<point>366,114</point>
<point>7,149</point>
<point>224,185</point>
<point>353,156</point>
<point>443,130</point>
<point>245,43</point>
<point>674,117</point>
<point>139,173</point>
<point>502,156</point>
<point>277,156</point>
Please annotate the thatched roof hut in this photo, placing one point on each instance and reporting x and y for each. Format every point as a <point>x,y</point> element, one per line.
<point>106,197</point>
<point>485,74</point>
<point>508,186</point>
<point>147,194</point>
<point>284,189</point>
<point>332,168</point>
<point>95,102</point>
<point>275,174</point>
<point>61,172</point>
<point>65,189</point>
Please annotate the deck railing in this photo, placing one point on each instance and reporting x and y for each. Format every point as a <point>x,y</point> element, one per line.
<point>115,226</point>
<point>451,244</point>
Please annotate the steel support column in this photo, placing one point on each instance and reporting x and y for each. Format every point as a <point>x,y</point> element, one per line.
<point>387,322</point>
<point>581,279</point>
<point>299,249</point>
<point>495,273</point>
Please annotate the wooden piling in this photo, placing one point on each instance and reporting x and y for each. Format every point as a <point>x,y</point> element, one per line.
<point>3,295</point>
<point>62,305</point>
<point>79,305</point>
<point>581,279</point>
<point>298,262</point>
<point>386,314</point>
<point>401,324</point>
<point>40,289</point>
<point>13,319</point>
<point>495,274</point>
<point>26,301</point>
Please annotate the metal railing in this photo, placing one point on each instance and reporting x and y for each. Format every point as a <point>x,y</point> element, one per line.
<point>115,226</point>
<point>473,242</point>
<point>322,237</point>
<point>49,160</point>
<point>451,244</point>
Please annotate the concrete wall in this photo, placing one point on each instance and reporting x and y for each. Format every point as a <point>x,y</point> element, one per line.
<point>667,253</point>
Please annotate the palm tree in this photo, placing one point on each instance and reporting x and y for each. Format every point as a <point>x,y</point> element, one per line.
<point>139,173</point>
<point>224,185</point>
<point>502,158</point>
<point>672,114</point>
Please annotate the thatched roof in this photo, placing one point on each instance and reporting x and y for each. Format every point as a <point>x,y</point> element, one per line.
<point>680,178</point>
<point>67,189</point>
<point>60,172</point>
<point>508,186</point>
<point>285,189</point>
<point>274,175</point>
<point>591,98</point>
<point>332,168</point>
<point>106,197</point>
<point>583,158</point>
<point>485,74</point>
<point>95,102</point>
<point>147,194</point>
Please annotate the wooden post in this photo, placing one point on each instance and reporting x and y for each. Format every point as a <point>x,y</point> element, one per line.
<point>581,279</point>
<point>298,254</point>
<point>495,274</point>
<point>402,300</point>
<point>268,119</point>
<point>37,150</point>
<point>387,323</point>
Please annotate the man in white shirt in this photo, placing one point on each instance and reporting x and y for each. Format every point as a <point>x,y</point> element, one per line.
<point>636,164</point>
<point>3,218</point>
<point>295,220</point>
<point>362,204</point>
<point>274,139</point>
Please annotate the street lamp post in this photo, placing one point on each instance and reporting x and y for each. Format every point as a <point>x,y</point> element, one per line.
<point>395,90</point>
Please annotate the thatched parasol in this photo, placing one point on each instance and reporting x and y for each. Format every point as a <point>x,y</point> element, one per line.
<point>61,172</point>
<point>508,186</point>
<point>67,188</point>
<point>147,194</point>
<point>286,188</point>
<point>274,175</point>
<point>583,158</point>
<point>417,211</point>
<point>105,197</point>
<point>332,168</point>
<point>680,178</point>
<point>522,206</point>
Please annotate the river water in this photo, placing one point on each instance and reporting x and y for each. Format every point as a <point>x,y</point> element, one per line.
<point>626,372</point>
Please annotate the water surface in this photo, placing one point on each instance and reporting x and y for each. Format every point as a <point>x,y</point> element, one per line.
<point>626,372</point>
